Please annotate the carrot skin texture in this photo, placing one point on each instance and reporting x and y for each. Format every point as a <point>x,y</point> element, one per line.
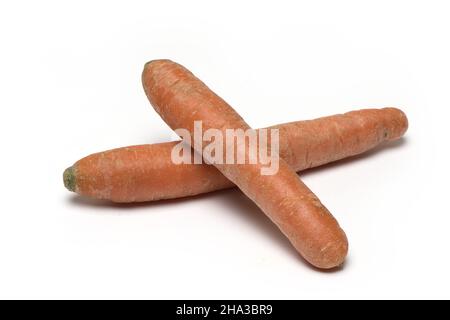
<point>137,173</point>
<point>181,99</point>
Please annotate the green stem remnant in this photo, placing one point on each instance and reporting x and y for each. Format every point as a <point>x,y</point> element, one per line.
<point>69,179</point>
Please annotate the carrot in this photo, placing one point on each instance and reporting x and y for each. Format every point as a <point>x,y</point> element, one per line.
<point>137,173</point>
<point>181,99</point>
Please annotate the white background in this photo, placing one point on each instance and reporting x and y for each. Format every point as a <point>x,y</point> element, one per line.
<point>70,86</point>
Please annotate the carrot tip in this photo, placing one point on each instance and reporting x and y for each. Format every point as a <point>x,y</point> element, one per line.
<point>69,179</point>
<point>155,61</point>
<point>150,62</point>
<point>147,63</point>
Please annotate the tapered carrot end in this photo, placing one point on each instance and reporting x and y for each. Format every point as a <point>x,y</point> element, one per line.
<point>155,62</point>
<point>333,255</point>
<point>396,123</point>
<point>148,64</point>
<point>69,179</point>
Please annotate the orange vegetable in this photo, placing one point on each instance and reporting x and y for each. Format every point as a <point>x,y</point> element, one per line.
<point>181,99</point>
<point>139,173</point>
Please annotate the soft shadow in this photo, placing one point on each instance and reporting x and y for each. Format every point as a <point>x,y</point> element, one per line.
<point>241,206</point>
<point>238,204</point>
<point>386,147</point>
<point>80,201</point>
<point>246,210</point>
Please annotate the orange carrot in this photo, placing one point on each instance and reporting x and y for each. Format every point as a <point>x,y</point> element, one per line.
<point>138,173</point>
<point>181,99</point>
